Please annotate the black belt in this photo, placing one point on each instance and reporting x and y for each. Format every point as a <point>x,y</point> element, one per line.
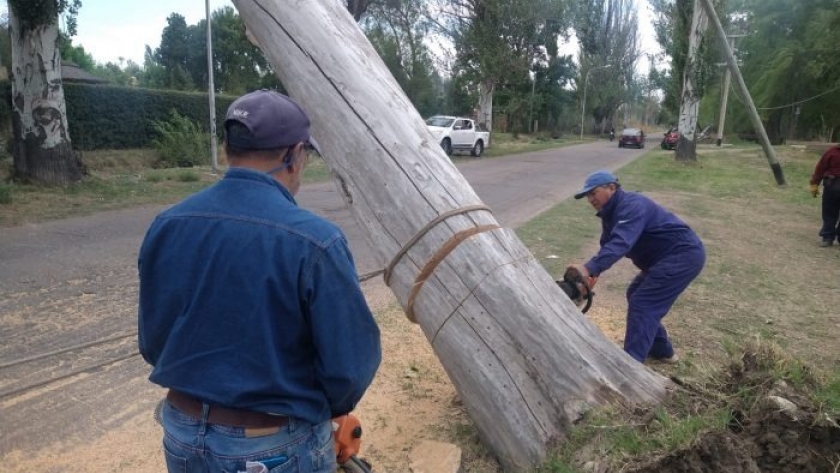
<point>224,415</point>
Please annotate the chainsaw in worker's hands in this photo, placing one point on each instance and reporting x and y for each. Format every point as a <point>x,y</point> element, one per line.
<point>578,287</point>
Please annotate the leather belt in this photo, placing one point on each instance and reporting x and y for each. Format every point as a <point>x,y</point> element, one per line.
<point>223,415</point>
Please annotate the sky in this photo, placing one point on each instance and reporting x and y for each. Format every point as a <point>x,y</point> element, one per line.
<point>111,29</point>
<point>114,29</point>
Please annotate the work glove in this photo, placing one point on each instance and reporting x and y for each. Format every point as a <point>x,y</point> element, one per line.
<point>815,190</point>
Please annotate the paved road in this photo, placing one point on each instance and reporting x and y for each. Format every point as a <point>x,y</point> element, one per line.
<point>68,283</point>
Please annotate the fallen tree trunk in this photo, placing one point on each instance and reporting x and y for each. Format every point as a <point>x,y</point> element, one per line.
<point>524,359</point>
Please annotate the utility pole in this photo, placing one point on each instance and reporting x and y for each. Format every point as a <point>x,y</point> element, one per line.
<point>742,88</point>
<point>531,112</point>
<point>211,93</point>
<point>724,96</point>
<point>583,105</point>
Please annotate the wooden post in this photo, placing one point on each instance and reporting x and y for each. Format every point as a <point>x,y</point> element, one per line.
<point>524,359</point>
<point>742,89</point>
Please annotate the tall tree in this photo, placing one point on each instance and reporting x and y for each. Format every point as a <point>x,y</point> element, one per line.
<point>397,30</point>
<point>238,65</point>
<point>42,149</point>
<point>607,31</point>
<point>75,54</point>
<point>173,54</point>
<point>358,8</point>
<point>791,64</point>
<point>498,41</point>
<point>672,25</point>
<point>692,91</point>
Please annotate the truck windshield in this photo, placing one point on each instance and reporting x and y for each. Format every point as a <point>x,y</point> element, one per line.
<point>442,122</point>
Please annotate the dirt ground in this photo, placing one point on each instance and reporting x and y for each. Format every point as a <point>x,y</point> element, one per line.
<point>412,399</point>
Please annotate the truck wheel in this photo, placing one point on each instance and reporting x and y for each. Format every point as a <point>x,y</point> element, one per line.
<point>478,149</point>
<point>447,146</point>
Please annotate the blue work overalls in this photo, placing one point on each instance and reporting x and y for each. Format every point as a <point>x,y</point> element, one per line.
<point>668,253</point>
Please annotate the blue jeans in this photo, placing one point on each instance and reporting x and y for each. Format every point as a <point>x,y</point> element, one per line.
<point>192,445</point>
<point>831,210</point>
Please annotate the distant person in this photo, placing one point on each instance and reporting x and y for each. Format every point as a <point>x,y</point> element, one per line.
<point>251,312</point>
<point>666,250</point>
<point>827,172</point>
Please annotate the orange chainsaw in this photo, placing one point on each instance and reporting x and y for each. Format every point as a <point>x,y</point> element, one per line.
<point>347,431</point>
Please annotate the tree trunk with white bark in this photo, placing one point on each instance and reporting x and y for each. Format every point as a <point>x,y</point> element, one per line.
<point>485,105</point>
<point>42,150</point>
<point>524,359</point>
<point>686,149</point>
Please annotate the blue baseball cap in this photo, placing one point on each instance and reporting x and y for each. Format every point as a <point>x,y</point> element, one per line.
<point>597,178</point>
<point>273,120</point>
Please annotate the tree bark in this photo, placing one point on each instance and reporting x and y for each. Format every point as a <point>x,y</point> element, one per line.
<point>524,359</point>
<point>485,105</point>
<point>686,149</point>
<point>42,149</point>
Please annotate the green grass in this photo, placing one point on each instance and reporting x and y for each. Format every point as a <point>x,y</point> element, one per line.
<point>765,282</point>
<point>504,144</point>
<point>5,193</point>
<point>620,435</point>
<point>121,179</point>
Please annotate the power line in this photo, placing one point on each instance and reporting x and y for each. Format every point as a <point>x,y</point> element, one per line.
<point>790,104</point>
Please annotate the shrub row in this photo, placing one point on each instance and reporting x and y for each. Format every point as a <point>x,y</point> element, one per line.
<point>113,117</point>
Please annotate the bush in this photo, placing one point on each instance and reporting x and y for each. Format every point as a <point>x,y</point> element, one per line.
<point>114,117</point>
<point>181,142</point>
<point>5,193</point>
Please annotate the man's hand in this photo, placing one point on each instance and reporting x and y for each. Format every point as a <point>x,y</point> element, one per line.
<point>581,269</point>
<point>815,190</point>
<point>584,275</point>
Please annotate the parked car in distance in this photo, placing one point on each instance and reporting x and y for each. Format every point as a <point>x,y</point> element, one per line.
<point>669,141</point>
<point>632,137</point>
<point>458,134</point>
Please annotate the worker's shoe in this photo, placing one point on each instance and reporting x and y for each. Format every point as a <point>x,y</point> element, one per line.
<point>671,360</point>
<point>826,243</point>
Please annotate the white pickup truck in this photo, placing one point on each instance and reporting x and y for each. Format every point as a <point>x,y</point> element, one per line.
<point>458,134</point>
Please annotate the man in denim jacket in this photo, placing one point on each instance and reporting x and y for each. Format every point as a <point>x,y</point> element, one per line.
<point>666,250</point>
<point>251,313</point>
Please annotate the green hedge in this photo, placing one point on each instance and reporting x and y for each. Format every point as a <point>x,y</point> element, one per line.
<point>112,117</point>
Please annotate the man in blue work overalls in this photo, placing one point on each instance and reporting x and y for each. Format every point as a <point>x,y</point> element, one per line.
<point>666,250</point>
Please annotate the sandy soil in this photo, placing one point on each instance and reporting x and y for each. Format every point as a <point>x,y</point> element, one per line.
<point>410,400</point>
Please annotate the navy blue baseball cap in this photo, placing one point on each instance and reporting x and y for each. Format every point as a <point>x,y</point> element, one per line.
<point>597,178</point>
<point>273,120</point>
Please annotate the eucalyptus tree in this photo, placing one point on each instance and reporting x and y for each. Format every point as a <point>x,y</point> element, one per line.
<point>238,65</point>
<point>358,8</point>
<point>42,149</point>
<point>672,22</point>
<point>397,30</point>
<point>497,42</point>
<point>607,32</point>
<point>790,63</point>
<point>174,52</point>
<point>680,29</point>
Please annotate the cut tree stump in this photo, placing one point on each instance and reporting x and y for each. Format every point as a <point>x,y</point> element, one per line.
<point>523,358</point>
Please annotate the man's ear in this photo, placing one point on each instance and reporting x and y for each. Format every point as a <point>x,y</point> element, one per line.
<point>298,158</point>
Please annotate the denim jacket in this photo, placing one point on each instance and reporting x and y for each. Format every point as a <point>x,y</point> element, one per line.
<point>249,301</point>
